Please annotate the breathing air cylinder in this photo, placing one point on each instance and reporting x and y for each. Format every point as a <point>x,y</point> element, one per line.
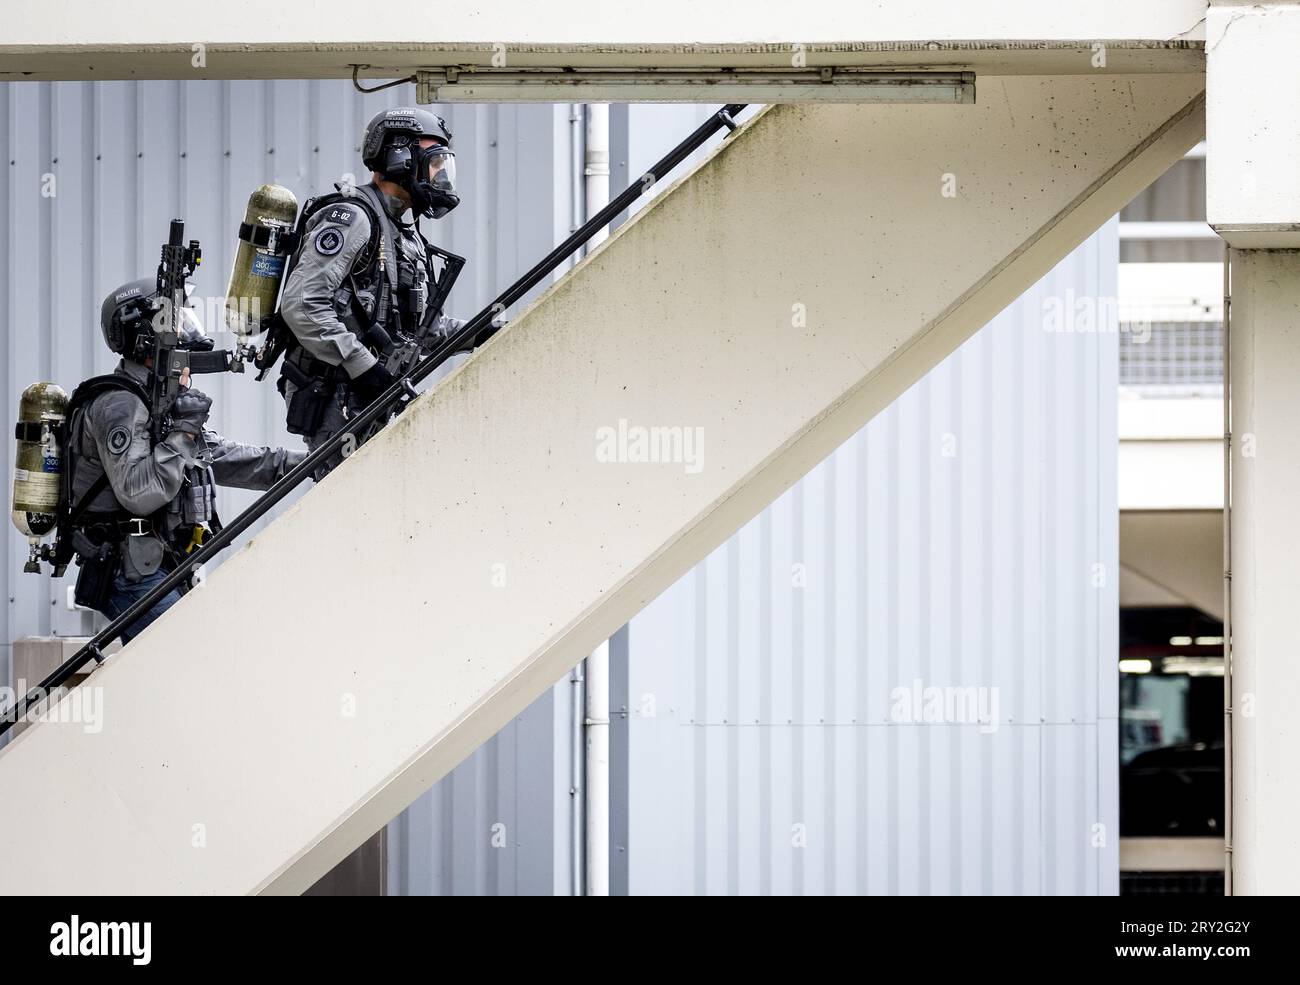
<point>265,242</point>
<point>38,465</point>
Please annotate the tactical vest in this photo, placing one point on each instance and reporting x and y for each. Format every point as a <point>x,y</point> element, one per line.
<point>81,399</point>
<point>194,504</point>
<point>382,299</point>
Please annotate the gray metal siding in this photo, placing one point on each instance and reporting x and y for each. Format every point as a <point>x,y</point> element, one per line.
<point>965,537</point>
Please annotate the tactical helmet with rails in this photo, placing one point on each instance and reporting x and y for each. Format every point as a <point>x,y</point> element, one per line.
<point>391,147</point>
<point>128,315</point>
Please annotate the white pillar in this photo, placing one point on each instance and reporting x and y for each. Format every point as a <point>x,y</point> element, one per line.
<point>1265,565</point>
<point>1253,202</point>
<point>1252,92</point>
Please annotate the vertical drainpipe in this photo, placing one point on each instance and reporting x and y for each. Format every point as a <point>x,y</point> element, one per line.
<point>1227,572</point>
<point>596,174</point>
<point>597,693</point>
<point>577,848</point>
<point>596,171</point>
<point>577,677</point>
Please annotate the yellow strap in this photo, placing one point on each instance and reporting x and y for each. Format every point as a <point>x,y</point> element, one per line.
<point>196,539</point>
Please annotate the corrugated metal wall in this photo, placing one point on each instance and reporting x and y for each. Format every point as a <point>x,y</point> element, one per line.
<point>965,538</point>
<point>911,559</point>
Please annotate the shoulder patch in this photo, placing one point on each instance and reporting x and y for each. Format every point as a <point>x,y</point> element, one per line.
<point>119,439</point>
<point>329,241</point>
<point>342,214</point>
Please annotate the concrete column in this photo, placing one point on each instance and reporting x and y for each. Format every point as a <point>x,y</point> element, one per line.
<point>1265,731</point>
<point>1253,202</point>
<point>1252,100</point>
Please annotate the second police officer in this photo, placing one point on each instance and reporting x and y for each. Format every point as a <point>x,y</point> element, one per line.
<point>361,276</point>
<point>142,495</point>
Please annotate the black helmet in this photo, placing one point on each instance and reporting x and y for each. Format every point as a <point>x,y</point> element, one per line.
<point>391,147</point>
<point>129,318</point>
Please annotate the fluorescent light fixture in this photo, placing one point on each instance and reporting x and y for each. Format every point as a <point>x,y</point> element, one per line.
<point>1180,641</point>
<point>1134,666</point>
<point>476,84</point>
<point>1193,666</point>
<point>1209,641</point>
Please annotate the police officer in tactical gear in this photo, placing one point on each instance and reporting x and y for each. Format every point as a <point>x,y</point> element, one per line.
<point>356,291</point>
<point>143,495</point>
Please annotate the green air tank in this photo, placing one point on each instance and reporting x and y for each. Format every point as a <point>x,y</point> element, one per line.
<point>38,465</point>
<point>259,261</point>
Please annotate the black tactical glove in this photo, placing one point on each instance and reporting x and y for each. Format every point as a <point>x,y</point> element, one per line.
<point>189,412</point>
<point>372,383</point>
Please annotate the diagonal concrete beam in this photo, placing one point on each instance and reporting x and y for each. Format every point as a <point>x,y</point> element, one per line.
<point>769,304</point>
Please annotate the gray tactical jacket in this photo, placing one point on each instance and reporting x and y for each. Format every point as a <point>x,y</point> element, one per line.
<point>317,293</point>
<point>113,436</point>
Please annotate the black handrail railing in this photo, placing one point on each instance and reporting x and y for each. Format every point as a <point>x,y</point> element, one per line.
<point>403,389</point>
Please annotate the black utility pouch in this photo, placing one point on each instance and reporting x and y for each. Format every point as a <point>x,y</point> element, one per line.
<point>307,407</point>
<point>95,578</point>
<point>142,555</point>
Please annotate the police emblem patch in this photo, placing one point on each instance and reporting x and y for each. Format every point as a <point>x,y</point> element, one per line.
<point>118,440</point>
<point>329,242</point>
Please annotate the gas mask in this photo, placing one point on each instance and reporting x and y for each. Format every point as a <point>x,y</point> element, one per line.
<point>190,334</point>
<point>433,186</point>
<point>189,331</point>
<point>191,338</point>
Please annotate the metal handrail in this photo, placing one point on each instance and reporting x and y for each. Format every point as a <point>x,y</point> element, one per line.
<point>402,390</point>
